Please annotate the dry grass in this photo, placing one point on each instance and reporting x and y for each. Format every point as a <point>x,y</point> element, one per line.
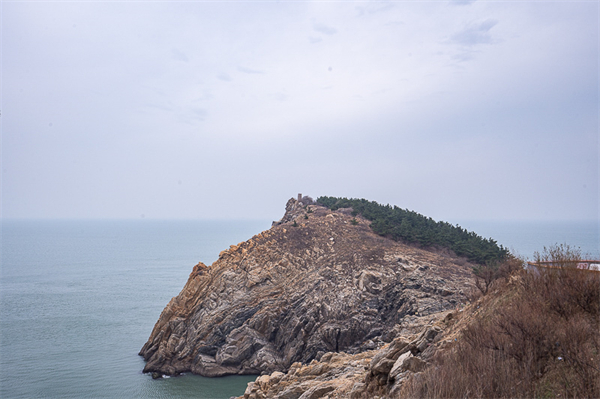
<point>541,339</point>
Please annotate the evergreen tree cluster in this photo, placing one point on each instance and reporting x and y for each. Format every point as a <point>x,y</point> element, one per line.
<point>411,227</point>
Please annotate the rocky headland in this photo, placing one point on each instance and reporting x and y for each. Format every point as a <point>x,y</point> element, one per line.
<point>318,305</point>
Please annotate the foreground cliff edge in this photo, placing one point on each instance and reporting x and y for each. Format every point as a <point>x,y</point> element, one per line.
<point>318,281</point>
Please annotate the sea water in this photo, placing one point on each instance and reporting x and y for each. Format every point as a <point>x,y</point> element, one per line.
<point>525,238</point>
<point>78,299</point>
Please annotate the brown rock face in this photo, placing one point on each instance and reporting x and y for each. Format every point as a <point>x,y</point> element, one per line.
<point>316,282</point>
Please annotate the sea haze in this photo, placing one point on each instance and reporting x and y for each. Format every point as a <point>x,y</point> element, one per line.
<point>80,298</point>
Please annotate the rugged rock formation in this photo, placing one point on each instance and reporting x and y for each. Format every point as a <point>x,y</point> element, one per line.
<point>317,282</point>
<point>366,375</point>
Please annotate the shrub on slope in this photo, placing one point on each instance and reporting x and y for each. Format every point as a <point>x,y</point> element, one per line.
<point>535,336</point>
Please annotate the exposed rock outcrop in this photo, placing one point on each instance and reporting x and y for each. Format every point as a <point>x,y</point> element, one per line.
<point>316,283</point>
<point>366,375</point>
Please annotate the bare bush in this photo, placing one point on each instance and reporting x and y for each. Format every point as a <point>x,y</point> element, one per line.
<point>487,274</point>
<point>542,339</point>
<point>562,255</point>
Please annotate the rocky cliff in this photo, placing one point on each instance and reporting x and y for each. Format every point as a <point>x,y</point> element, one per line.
<point>317,282</point>
<point>372,374</point>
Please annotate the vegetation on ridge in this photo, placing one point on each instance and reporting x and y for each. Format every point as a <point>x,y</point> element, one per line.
<point>409,226</point>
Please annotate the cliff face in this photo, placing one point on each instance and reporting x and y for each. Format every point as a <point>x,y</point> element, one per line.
<point>371,374</point>
<point>318,281</point>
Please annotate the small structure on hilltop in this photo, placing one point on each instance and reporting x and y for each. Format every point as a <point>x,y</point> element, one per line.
<point>305,200</point>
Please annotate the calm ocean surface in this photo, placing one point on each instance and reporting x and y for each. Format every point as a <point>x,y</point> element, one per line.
<point>78,299</point>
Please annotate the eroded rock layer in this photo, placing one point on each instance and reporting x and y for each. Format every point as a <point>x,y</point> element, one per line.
<point>318,281</point>
<point>373,374</point>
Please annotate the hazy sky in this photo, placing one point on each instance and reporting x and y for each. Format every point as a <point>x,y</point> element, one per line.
<point>455,109</point>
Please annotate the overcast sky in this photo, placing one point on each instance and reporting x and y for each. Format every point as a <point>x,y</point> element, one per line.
<point>455,109</point>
